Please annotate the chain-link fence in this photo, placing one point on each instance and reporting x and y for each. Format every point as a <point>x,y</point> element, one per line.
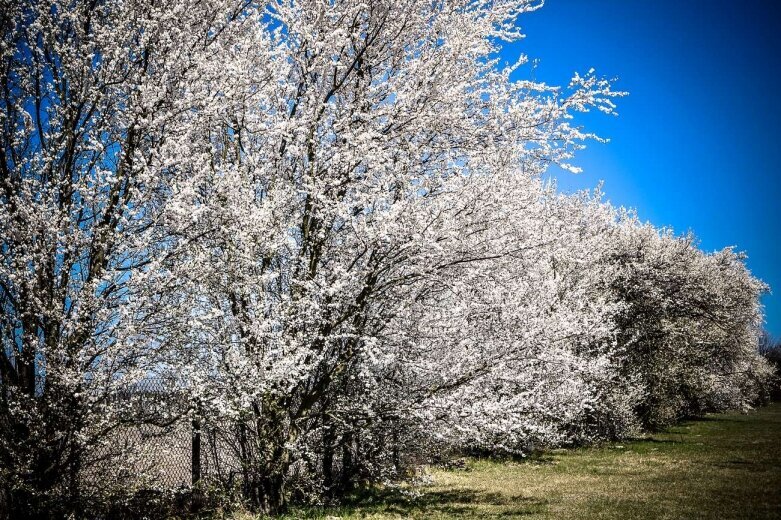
<point>164,447</point>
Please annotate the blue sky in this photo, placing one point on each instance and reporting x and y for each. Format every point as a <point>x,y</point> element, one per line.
<point>697,144</point>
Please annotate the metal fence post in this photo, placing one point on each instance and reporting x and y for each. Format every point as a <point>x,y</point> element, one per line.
<point>196,452</point>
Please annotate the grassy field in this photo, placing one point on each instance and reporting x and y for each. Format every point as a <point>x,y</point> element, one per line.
<point>722,466</point>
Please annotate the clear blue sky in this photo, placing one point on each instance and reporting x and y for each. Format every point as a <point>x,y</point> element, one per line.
<point>697,144</point>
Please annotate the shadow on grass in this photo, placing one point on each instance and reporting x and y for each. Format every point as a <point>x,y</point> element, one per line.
<point>461,503</point>
<point>653,440</point>
<point>712,419</point>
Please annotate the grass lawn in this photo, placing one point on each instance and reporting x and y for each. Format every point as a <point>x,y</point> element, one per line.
<point>723,466</point>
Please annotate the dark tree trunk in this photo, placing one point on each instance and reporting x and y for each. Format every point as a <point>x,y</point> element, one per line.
<point>328,456</point>
<point>346,477</point>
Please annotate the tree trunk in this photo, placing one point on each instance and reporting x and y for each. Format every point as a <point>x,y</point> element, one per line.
<point>328,457</point>
<point>346,477</point>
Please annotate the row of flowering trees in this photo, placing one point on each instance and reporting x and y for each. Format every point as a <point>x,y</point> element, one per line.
<point>325,223</point>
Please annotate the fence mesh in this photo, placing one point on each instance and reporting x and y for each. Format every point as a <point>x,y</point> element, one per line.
<point>164,448</point>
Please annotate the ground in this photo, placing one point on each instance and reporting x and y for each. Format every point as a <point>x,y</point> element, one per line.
<point>725,466</point>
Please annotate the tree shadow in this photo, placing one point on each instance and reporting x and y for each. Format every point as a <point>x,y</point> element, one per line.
<point>654,440</point>
<point>708,419</point>
<point>452,503</point>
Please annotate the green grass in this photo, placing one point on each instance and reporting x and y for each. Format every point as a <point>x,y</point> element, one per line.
<point>723,466</point>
